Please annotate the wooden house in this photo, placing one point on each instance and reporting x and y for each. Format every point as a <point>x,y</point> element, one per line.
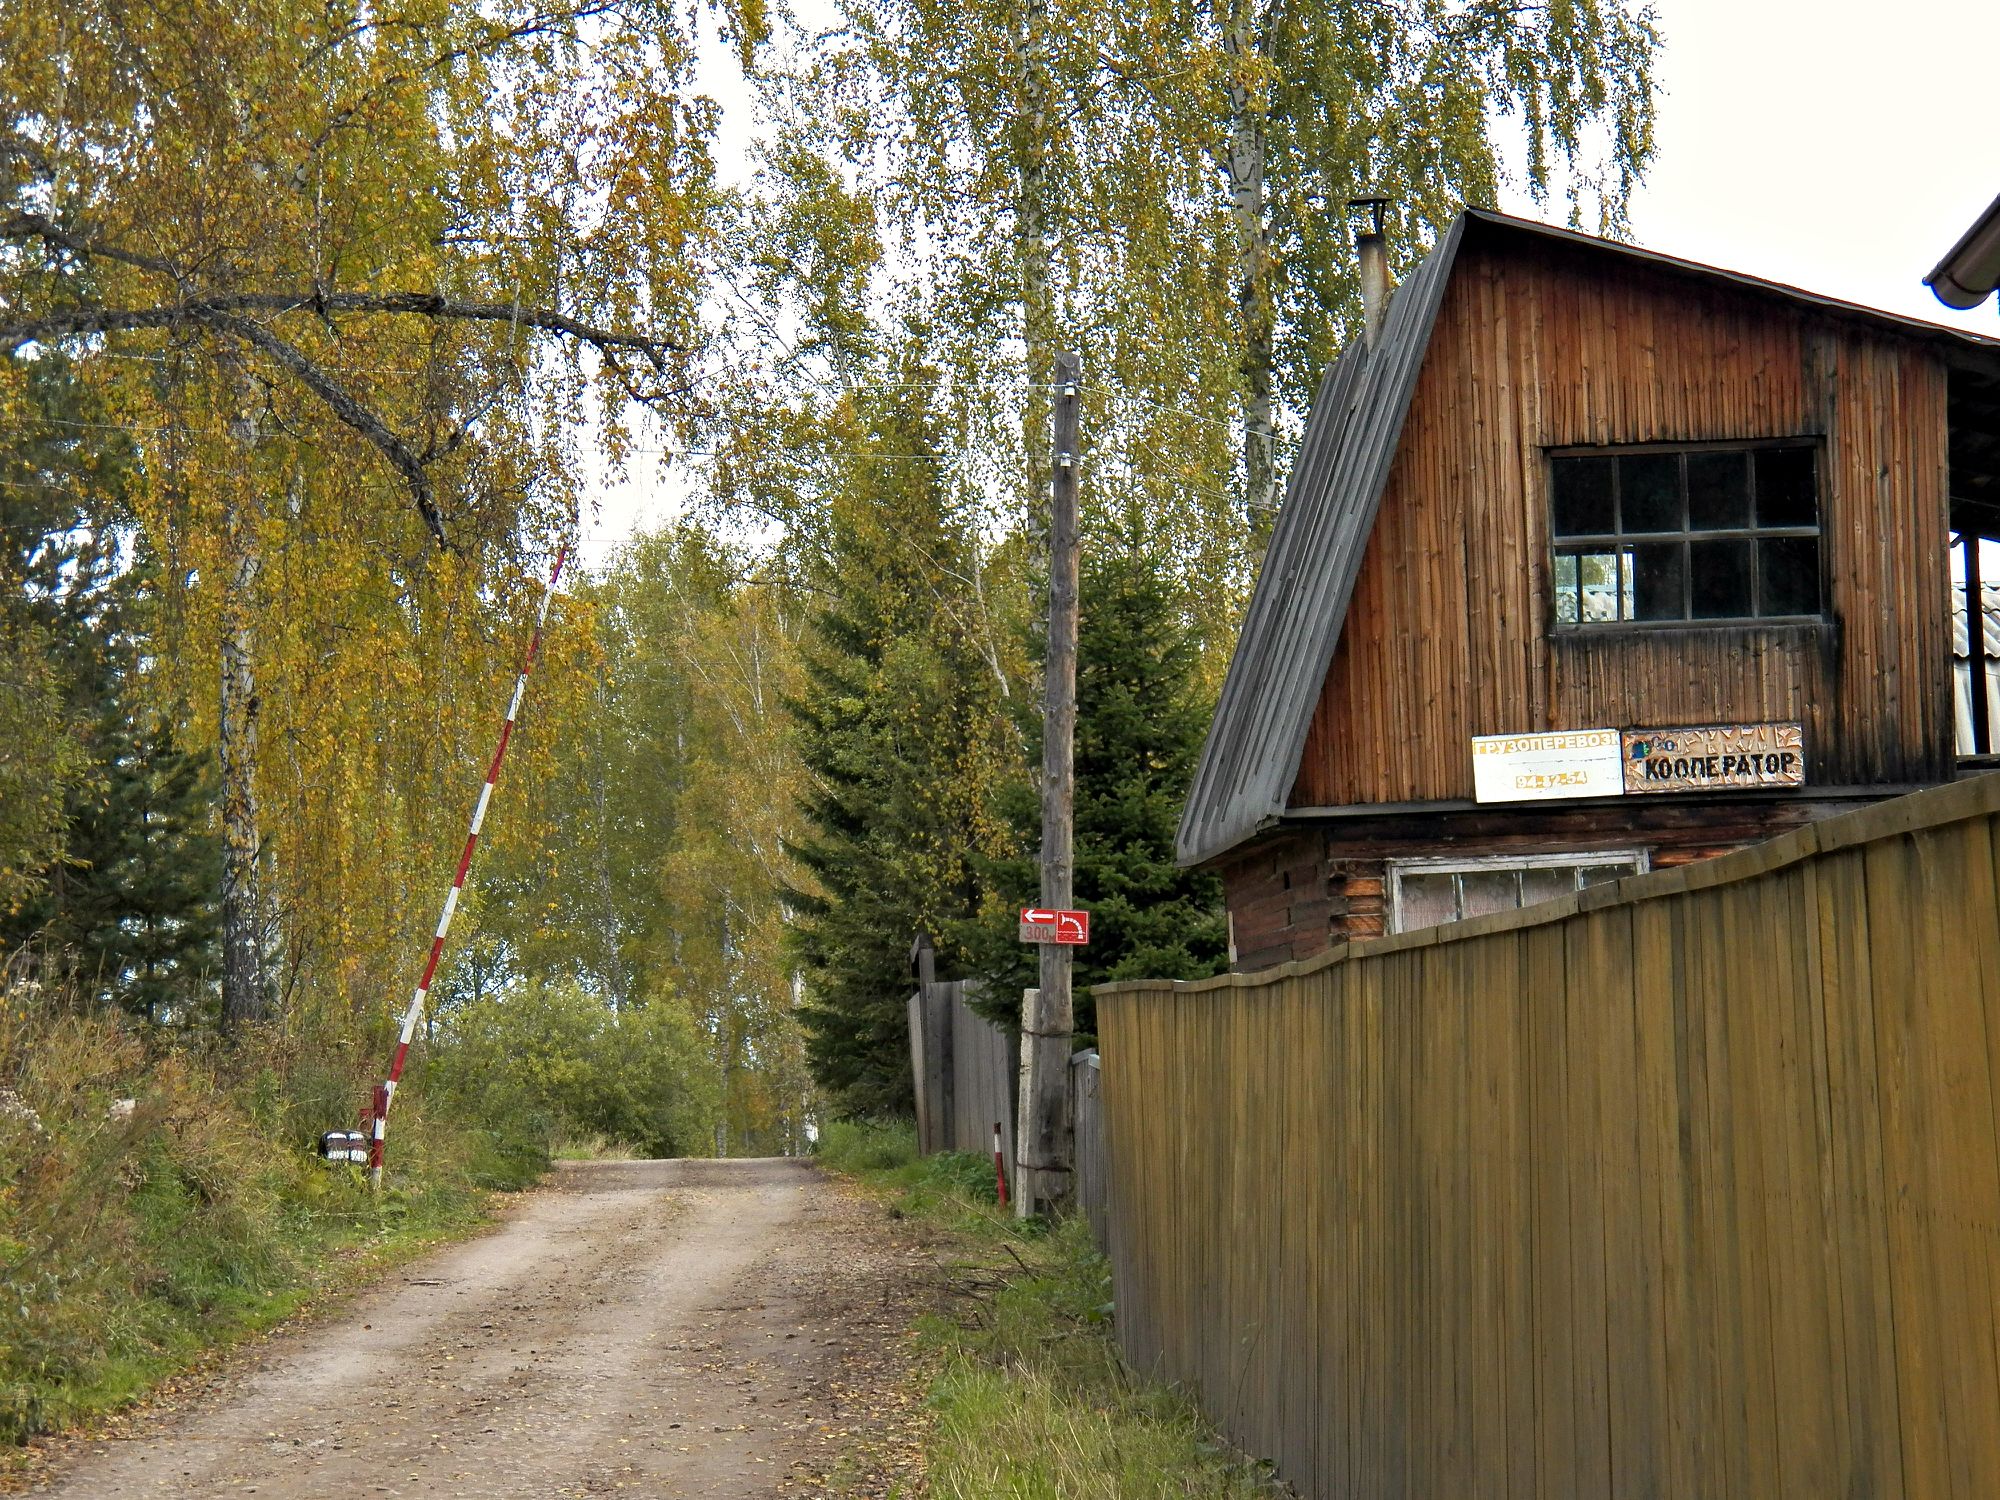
<point>1592,512</point>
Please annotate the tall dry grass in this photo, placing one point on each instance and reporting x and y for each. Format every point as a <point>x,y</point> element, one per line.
<point>131,1239</point>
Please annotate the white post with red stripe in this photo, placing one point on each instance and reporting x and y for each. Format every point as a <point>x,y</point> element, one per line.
<point>385,1093</point>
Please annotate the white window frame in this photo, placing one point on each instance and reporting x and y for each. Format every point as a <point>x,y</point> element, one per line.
<point>1472,864</point>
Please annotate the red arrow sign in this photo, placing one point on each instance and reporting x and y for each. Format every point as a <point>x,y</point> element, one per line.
<point>1054,926</point>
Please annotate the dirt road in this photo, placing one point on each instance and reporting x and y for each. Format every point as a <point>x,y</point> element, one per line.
<point>654,1328</point>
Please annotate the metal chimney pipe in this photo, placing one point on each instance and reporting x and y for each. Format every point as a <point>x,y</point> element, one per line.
<point>1371,246</point>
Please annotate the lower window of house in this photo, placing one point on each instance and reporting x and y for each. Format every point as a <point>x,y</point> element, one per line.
<point>1425,893</point>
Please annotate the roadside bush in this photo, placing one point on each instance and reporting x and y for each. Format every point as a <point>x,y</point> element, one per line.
<point>867,1145</point>
<point>967,1175</point>
<point>554,1059</point>
<point>132,1239</point>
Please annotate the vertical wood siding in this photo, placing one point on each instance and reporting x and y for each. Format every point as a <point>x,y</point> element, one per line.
<point>1687,1186</point>
<point>1448,635</point>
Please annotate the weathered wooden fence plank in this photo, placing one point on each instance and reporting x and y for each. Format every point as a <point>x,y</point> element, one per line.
<point>1093,1167</point>
<point>1690,1187</point>
<point>964,1073</point>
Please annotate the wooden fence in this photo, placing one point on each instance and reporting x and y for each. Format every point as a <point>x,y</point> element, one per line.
<point>965,1069</point>
<point>1093,1163</point>
<point>1687,1186</point>
<point>968,1076</point>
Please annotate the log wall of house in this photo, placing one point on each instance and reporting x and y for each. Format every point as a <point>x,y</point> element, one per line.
<point>1449,631</point>
<point>1300,888</point>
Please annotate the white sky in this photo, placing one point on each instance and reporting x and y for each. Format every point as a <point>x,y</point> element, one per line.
<point>1841,146</point>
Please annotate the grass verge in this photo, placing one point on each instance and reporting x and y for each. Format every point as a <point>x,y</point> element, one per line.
<point>1028,1396</point>
<point>158,1205</point>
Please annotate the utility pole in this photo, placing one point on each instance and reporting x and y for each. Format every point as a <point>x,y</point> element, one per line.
<point>1046,1150</point>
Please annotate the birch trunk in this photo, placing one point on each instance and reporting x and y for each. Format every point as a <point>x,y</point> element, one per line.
<point>244,997</point>
<point>613,971</point>
<point>1247,108</point>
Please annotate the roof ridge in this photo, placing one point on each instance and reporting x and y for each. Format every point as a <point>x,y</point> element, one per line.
<point>1763,285</point>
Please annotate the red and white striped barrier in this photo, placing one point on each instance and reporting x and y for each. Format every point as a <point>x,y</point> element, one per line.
<point>385,1093</point>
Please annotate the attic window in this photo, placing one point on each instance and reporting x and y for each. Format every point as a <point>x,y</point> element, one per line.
<point>1665,536</point>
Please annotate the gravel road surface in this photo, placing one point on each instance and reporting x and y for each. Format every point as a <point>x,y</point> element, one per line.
<point>670,1328</point>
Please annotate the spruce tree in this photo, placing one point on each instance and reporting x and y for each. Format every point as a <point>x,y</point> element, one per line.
<point>123,896</point>
<point>58,476</point>
<point>896,719</point>
<point>133,901</point>
<point>1140,725</point>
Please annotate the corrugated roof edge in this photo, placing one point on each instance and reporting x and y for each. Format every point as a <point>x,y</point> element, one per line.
<point>1332,405</point>
<point>1299,606</point>
<point>1296,611</point>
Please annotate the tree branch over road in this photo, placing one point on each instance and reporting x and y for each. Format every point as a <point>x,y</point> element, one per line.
<point>235,314</point>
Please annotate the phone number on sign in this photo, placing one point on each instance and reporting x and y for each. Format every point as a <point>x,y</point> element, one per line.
<point>1544,781</point>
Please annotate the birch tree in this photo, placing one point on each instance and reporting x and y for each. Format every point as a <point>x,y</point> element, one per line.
<point>351,270</point>
<point>1161,187</point>
<point>1430,103</point>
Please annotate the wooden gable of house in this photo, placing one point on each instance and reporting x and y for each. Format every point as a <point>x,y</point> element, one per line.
<point>1405,604</point>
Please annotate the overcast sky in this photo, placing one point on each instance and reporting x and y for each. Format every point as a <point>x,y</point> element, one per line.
<point>1838,146</point>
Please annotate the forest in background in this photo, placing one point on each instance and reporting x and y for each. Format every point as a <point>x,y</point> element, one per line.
<point>316,320</point>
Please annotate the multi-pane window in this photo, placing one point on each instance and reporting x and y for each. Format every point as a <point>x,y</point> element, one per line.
<point>1426,893</point>
<point>1663,536</point>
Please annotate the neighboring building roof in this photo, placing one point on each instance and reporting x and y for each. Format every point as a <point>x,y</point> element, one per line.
<point>1989,599</point>
<point>1251,757</point>
<point>1971,269</point>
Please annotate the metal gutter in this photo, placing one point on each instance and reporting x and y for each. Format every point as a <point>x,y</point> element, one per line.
<point>1971,268</point>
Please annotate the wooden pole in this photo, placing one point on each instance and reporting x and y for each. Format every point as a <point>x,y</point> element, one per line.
<point>1047,1145</point>
<point>931,1022</point>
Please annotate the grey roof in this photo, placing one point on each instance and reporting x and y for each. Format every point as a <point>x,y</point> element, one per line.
<point>1989,598</point>
<point>1251,757</point>
<point>1253,749</point>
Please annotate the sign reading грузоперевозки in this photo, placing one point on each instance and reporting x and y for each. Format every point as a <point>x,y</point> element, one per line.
<point>1545,767</point>
<point>1610,762</point>
<point>1714,757</point>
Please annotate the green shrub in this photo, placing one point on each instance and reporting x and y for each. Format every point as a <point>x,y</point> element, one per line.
<point>128,1243</point>
<point>858,1146</point>
<point>962,1174</point>
<point>549,1061</point>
